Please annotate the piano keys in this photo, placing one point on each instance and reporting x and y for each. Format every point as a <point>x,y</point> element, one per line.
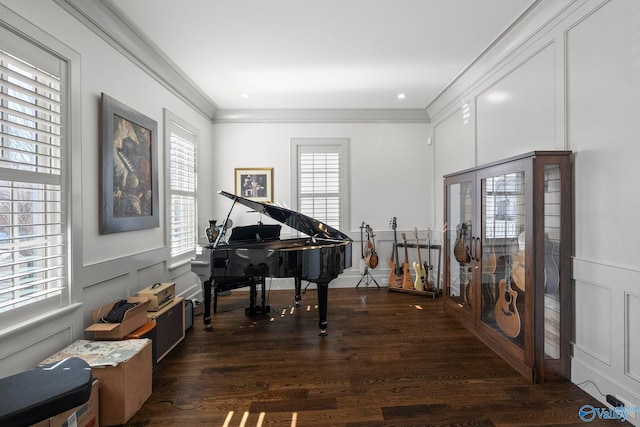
<point>256,252</point>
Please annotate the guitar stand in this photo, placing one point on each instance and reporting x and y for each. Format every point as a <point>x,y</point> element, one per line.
<point>366,276</point>
<point>368,279</point>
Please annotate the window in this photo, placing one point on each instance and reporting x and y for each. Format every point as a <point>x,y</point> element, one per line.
<point>320,179</point>
<point>182,188</point>
<point>32,224</point>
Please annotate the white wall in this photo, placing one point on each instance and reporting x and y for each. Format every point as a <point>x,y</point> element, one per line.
<point>391,174</point>
<point>568,79</point>
<point>104,267</point>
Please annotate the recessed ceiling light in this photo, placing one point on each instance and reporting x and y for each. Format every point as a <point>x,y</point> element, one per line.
<point>245,95</point>
<point>401,96</point>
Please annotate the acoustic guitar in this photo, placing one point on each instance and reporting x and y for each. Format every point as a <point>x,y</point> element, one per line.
<point>407,280</point>
<point>460,248</point>
<point>491,261</point>
<point>506,312</point>
<point>372,260</point>
<point>364,261</point>
<point>421,274</point>
<point>395,273</point>
<point>551,272</point>
<point>518,271</point>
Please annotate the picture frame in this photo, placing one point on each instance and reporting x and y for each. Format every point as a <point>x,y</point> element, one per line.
<point>254,183</point>
<point>128,168</point>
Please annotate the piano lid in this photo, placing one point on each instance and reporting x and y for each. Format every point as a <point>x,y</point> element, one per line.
<point>304,224</point>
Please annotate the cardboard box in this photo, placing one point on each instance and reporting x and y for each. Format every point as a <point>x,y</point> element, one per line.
<point>148,330</point>
<point>159,294</point>
<point>87,415</point>
<point>124,371</point>
<point>132,320</point>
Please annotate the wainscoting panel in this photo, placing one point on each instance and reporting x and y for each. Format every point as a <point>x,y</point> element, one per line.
<point>41,344</point>
<point>148,276</point>
<point>101,293</point>
<point>593,315</point>
<point>632,327</point>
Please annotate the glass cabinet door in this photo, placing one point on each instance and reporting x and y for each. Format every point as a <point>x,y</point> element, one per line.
<point>503,279</point>
<point>459,219</point>
<point>552,233</point>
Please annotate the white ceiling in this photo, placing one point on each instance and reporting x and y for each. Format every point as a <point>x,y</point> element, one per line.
<point>329,54</point>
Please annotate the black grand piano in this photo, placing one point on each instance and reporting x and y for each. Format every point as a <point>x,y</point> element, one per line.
<point>253,253</point>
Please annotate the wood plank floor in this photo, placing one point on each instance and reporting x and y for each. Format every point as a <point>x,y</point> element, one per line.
<point>384,363</point>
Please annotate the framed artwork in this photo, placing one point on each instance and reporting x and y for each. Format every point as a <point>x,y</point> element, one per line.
<point>254,183</point>
<point>129,169</point>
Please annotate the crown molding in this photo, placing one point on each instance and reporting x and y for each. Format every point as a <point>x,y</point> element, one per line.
<point>106,20</point>
<point>530,25</point>
<point>313,115</point>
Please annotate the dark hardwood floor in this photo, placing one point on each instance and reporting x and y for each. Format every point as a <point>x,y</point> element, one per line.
<point>384,363</point>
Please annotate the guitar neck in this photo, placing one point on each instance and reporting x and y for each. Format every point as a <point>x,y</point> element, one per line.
<point>415,234</point>
<point>406,253</point>
<point>395,247</point>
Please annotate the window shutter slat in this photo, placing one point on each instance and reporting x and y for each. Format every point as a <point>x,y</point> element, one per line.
<point>183,195</point>
<point>32,240</point>
<point>319,183</point>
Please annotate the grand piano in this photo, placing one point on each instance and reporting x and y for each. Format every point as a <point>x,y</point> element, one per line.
<point>253,253</point>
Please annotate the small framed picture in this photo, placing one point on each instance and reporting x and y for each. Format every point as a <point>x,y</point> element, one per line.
<point>254,183</point>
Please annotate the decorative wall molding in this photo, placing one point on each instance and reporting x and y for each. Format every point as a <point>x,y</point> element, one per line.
<point>109,23</point>
<point>632,335</point>
<point>106,20</point>
<point>528,28</point>
<point>323,116</point>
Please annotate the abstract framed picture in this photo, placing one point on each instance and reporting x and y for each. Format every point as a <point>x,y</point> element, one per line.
<point>129,169</point>
<point>254,183</point>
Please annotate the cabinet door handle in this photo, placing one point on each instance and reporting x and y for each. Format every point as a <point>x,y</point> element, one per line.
<point>478,249</point>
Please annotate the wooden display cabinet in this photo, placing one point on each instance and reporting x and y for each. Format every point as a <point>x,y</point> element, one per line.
<point>507,259</point>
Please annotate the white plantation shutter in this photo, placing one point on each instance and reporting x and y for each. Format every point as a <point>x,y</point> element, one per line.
<point>321,177</point>
<point>182,172</point>
<point>32,226</point>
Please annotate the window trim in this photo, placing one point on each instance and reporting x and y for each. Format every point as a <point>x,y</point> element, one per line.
<point>344,144</point>
<point>172,123</point>
<point>27,36</point>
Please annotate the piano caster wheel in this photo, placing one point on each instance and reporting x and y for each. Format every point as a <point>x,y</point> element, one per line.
<point>322,333</point>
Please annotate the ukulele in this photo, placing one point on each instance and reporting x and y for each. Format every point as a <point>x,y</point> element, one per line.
<point>407,280</point>
<point>460,249</point>
<point>372,260</point>
<point>421,274</point>
<point>395,274</point>
<point>506,312</point>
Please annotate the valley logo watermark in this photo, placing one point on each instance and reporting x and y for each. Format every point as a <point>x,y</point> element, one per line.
<point>588,413</point>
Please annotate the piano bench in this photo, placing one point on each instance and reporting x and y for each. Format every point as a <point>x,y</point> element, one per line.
<point>227,284</point>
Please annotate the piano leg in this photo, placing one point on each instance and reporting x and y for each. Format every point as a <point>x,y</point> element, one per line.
<point>207,285</point>
<point>298,285</point>
<point>323,290</point>
<point>255,309</point>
